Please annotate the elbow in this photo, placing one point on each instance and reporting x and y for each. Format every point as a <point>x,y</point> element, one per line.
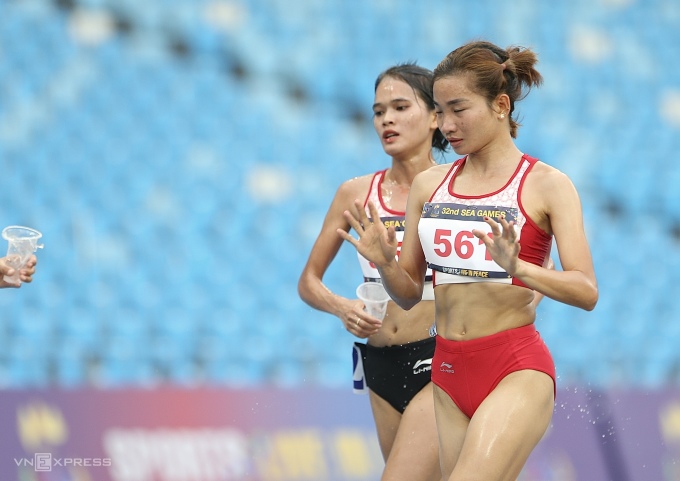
<point>407,302</point>
<point>590,300</point>
<point>405,295</point>
<point>302,289</point>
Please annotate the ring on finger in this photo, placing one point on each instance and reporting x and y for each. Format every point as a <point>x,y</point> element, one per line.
<point>357,323</point>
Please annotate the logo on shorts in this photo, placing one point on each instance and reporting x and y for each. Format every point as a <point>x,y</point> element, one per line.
<point>446,367</point>
<point>422,365</point>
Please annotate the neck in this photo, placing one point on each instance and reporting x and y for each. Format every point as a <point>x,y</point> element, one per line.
<point>404,170</point>
<point>493,159</point>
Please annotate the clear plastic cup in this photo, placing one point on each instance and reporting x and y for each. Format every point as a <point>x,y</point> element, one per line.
<point>23,242</point>
<point>375,297</point>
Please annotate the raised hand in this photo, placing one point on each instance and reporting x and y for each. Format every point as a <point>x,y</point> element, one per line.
<point>502,244</point>
<point>375,242</point>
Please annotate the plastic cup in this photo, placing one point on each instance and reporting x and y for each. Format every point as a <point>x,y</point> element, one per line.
<point>375,297</point>
<point>23,242</point>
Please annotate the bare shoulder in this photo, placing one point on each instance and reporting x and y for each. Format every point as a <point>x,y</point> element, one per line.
<point>354,188</point>
<point>425,183</point>
<point>546,191</point>
<point>434,174</point>
<point>547,178</point>
<point>439,170</point>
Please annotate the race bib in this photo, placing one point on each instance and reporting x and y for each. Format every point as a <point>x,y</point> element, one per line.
<point>445,232</point>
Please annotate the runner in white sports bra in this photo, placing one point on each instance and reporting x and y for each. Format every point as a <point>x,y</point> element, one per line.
<point>389,217</point>
<point>396,356</point>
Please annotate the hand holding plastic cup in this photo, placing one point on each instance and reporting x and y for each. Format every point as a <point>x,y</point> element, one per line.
<point>23,242</point>
<point>375,297</point>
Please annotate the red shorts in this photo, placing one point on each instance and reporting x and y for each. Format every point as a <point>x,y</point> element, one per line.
<point>469,370</point>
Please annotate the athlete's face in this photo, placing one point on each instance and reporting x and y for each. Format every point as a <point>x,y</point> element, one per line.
<point>402,119</point>
<point>464,117</point>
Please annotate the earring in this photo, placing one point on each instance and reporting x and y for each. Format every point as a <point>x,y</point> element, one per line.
<point>502,116</point>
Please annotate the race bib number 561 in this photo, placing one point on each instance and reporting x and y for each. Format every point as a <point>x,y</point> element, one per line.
<point>451,247</point>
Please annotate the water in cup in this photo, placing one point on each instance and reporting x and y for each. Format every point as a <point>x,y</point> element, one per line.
<point>375,297</point>
<point>22,243</point>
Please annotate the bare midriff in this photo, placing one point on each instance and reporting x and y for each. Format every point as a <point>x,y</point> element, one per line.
<point>403,327</point>
<point>474,310</point>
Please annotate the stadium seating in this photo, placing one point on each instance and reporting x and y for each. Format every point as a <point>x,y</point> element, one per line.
<point>180,164</point>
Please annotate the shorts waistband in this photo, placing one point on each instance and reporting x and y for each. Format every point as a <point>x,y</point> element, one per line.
<point>487,341</point>
<point>401,347</point>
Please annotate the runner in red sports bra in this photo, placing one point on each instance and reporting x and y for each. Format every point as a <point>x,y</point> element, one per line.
<point>448,219</point>
<point>456,256</point>
<point>484,226</point>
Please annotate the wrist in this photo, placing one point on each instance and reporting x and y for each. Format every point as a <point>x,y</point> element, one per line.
<point>520,269</point>
<point>338,305</point>
<point>388,266</point>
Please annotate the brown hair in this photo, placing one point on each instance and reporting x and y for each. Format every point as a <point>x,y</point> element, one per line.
<point>494,71</point>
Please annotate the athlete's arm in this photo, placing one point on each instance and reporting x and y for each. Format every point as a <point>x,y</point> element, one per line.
<point>408,291</point>
<point>538,297</point>
<point>403,279</point>
<point>311,288</point>
<point>575,284</point>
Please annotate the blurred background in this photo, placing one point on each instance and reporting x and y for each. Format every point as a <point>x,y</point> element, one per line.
<point>179,157</point>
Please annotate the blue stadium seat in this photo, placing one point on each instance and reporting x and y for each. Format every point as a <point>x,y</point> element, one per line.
<point>125,362</point>
<point>83,331</point>
<point>161,266</point>
<point>72,363</point>
<point>27,364</point>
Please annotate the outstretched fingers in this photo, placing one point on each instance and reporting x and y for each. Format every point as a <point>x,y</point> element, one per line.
<point>509,232</point>
<point>501,229</point>
<point>373,210</point>
<point>487,237</point>
<point>501,243</point>
<point>346,236</point>
<point>356,218</point>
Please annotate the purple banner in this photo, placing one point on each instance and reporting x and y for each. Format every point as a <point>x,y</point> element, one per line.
<point>300,435</point>
<point>647,432</point>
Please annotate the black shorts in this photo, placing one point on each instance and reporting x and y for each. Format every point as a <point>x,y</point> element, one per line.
<point>397,373</point>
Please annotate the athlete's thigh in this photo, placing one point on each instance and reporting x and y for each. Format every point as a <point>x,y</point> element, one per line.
<point>506,427</point>
<point>415,453</point>
<point>386,420</point>
<point>452,426</point>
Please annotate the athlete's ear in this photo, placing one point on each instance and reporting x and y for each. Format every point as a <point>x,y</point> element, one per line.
<point>502,105</point>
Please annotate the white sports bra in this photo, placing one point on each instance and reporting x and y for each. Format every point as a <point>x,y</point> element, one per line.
<point>390,218</point>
